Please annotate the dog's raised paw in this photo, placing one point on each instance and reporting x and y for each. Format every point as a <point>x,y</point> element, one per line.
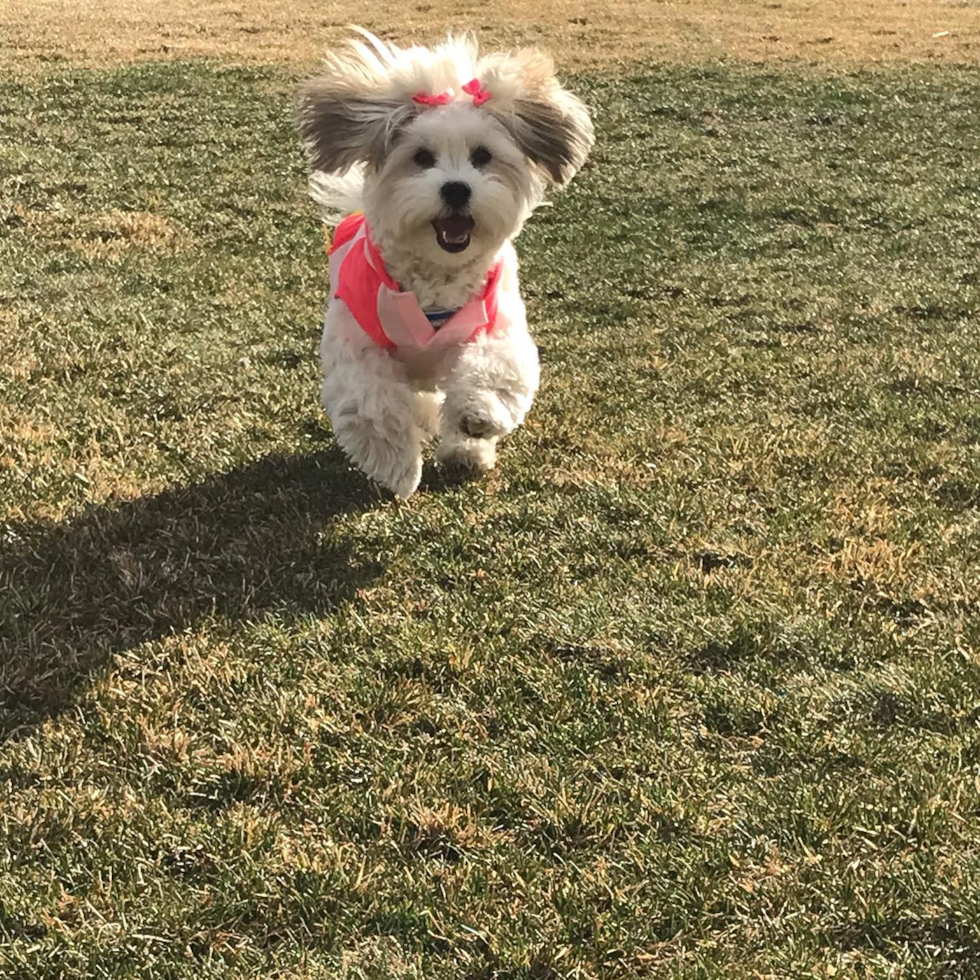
<point>483,415</point>
<point>476,427</point>
<point>472,455</point>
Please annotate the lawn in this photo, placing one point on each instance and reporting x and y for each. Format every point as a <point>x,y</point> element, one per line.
<point>688,688</point>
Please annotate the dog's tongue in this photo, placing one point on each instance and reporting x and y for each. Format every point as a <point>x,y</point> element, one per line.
<point>456,228</point>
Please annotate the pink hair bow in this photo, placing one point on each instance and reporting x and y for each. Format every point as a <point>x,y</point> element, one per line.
<point>479,93</point>
<point>474,88</point>
<point>443,98</point>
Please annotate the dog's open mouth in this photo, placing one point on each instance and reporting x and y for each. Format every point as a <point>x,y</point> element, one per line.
<point>453,233</point>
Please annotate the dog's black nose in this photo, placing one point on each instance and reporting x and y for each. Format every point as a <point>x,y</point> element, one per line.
<point>455,193</point>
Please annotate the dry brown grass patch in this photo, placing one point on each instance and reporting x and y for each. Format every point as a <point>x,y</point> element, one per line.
<point>104,234</point>
<point>39,33</point>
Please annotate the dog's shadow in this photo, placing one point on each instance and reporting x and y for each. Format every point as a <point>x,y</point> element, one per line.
<point>236,546</point>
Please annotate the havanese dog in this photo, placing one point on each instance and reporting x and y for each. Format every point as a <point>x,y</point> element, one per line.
<point>434,159</point>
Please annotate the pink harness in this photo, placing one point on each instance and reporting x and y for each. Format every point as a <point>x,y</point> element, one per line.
<point>389,315</point>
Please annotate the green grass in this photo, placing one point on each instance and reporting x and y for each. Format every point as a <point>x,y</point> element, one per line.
<point>688,688</point>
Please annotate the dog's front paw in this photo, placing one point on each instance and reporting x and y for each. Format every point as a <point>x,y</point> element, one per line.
<point>405,481</point>
<point>391,457</point>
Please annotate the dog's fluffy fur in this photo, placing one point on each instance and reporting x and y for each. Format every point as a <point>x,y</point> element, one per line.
<point>364,133</point>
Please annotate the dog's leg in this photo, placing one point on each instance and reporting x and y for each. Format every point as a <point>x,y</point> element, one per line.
<point>374,412</point>
<point>428,405</point>
<point>488,393</point>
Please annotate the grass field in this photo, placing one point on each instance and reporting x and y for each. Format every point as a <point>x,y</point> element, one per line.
<point>688,688</point>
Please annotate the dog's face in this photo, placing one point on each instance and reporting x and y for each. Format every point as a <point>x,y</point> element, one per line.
<point>453,186</point>
<point>450,173</point>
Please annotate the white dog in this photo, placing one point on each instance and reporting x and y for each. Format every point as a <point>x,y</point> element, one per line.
<point>425,332</point>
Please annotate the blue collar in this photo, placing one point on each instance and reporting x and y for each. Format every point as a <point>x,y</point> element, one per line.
<point>438,315</point>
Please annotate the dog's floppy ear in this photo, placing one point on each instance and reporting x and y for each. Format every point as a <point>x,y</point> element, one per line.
<point>547,122</point>
<point>343,125</point>
<point>349,115</point>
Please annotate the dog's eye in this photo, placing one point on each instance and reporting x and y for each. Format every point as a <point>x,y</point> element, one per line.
<point>424,159</point>
<point>480,157</point>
